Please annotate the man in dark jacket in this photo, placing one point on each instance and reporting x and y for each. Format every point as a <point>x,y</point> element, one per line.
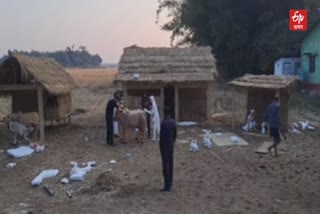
<point>168,134</point>
<point>111,106</point>
<point>273,119</point>
<point>146,104</point>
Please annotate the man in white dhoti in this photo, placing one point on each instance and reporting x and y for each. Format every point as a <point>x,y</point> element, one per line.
<point>155,119</point>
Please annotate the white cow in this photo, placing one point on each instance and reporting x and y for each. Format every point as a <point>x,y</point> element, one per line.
<point>155,119</point>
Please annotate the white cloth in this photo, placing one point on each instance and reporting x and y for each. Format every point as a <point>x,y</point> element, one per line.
<point>20,152</point>
<point>187,123</point>
<point>115,128</point>
<point>155,119</point>
<point>115,124</point>
<point>43,175</point>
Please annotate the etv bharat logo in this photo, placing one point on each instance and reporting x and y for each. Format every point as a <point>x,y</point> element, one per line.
<point>298,20</point>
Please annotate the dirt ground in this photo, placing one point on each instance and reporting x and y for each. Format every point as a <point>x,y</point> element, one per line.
<point>242,182</point>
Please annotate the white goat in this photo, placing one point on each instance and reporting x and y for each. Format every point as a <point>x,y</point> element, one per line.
<point>155,119</point>
<point>19,129</point>
<point>206,139</point>
<point>194,146</point>
<point>251,123</point>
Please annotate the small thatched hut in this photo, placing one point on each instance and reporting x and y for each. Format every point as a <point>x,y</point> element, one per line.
<point>257,92</point>
<point>37,85</point>
<point>180,78</point>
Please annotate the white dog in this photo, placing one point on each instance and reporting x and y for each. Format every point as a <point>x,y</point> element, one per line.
<point>155,119</point>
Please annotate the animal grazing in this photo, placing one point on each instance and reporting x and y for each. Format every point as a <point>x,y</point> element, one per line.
<point>131,119</point>
<point>29,120</point>
<point>155,119</point>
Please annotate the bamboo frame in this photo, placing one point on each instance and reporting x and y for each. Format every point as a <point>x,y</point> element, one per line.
<point>23,87</point>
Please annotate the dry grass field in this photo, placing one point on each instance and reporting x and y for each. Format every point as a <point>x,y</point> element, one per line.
<point>242,182</point>
<point>93,77</point>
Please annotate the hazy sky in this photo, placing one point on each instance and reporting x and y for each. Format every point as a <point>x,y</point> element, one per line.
<point>103,26</point>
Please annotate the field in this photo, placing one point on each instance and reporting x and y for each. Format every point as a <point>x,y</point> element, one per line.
<point>239,182</point>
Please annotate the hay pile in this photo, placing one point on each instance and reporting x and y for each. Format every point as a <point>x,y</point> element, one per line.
<point>106,183</point>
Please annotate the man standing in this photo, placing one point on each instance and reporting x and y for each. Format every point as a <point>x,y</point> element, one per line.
<point>168,134</point>
<point>109,116</point>
<point>146,104</point>
<point>273,118</point>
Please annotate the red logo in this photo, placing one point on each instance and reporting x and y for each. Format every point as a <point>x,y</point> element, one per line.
<point>298,20</point>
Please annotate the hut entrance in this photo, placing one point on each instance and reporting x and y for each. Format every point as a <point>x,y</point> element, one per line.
<point>260,99</point>
<point>169,97</point>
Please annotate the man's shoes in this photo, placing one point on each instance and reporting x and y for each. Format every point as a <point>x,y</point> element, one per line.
<point>165,189</point>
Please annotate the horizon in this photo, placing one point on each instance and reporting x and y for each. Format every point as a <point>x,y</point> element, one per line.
<point>103,27</point>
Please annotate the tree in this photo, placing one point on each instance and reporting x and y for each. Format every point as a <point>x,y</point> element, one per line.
<point>246,36</point>
<point>69,57</point>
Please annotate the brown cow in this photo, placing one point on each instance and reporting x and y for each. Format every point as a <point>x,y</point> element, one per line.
<point>28,119</point>
<point>130,119</point>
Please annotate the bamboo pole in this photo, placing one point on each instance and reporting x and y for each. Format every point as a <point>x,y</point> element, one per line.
<point>176,103</point>
<point>233,109</point>
<point>40,112</point>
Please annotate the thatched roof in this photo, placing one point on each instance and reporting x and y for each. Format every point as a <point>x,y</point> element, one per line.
<point>50,74</point>
<point>167,64</point>
<point>265,81</point>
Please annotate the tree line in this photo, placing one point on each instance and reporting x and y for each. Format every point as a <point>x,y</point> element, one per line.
<point>70,57</point>
<point>246,36</point>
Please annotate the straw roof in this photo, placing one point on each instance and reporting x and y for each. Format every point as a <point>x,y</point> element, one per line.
<point>50,74</point>
<point>265,81</point>
<point>167,64</point>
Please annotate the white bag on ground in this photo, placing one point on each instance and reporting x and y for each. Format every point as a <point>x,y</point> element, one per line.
<point>77,174</point>
<point>234,139</point>
<point>20,152</point>
<point>43,175</point>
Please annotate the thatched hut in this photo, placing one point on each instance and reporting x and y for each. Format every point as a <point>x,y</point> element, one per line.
<point>37,85</point>
<point>257,92</point>
<point>180,78</point>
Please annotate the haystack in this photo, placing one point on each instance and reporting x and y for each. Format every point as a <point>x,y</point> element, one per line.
<point>39,85</point>
<point>180,78</point>
<point>257,92</point>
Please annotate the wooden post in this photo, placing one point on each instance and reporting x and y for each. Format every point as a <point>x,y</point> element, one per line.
<point>125,94</point>
<point>161,103</point>
<point>210,89</point>
<point>233,108</point>
<point>176,103</point>
<point>40,112</point>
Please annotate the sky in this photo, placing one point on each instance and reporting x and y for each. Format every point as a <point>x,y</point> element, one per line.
<point>105,27</point>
